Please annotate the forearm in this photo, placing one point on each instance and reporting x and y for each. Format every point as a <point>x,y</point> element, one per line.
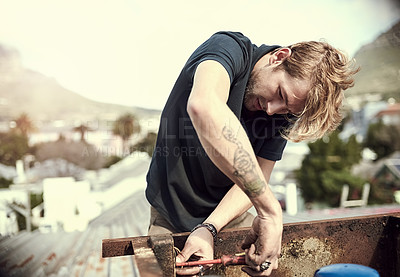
<point>228,146</point>
<point>234,204</point>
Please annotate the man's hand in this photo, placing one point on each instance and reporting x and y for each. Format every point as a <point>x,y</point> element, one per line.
<point>267,232</point>
<point>200,243</point>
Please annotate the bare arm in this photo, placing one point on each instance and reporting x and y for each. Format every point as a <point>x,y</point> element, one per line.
<point>224,138</point>
<point>226,143</point>
<point>236,202</point>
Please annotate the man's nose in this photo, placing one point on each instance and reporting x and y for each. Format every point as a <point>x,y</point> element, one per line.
<point>274,108</point>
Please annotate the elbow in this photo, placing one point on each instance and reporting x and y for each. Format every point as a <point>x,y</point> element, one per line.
<point>203,109</point>
<point>195,109</point>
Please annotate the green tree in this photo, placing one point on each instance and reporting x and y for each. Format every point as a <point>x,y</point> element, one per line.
<point>5,183</point>
<point>13,147</point>
<point>125,126</point>
<point>36,199</point>
<point>146,144</point>
<point>383,139</point>
<point>112,160</point>
<point>353,151</point>
<point>326,168</point>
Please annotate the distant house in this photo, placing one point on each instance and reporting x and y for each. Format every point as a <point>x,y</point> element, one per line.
<point>361,118</point>
<point>388,176</point>
<point>390,115</point>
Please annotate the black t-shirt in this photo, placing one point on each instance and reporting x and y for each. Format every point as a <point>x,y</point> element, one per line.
<point>183,183</point>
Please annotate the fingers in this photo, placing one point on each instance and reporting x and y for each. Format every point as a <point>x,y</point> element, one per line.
<point>191,247</point>
<point>255,261</point>
<point>258,270</point>
<point>180,258</point>
<point>249,240</point>
<point>251,257</point>
<point>198,246</point>
<point>190,271</point>
<point>193,270</point>
<point>183,256</point>
<point>252,272</point>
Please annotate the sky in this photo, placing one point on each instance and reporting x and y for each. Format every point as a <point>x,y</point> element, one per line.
<point>130,52</point>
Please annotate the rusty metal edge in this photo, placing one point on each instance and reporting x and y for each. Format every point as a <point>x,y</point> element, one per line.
<point>163,247</point>
<point>145,258</point>
<point>394,223</point>
<point>116,247</point>
<point>371,236</point>
<point>342,219</point>
<point>123,246</point>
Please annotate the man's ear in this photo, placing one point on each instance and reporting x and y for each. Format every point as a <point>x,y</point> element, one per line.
<point>280,55</point>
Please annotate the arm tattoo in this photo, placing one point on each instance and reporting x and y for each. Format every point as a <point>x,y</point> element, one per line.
<point>244,167</point>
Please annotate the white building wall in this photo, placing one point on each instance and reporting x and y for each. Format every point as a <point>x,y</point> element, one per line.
<point>63,201</point>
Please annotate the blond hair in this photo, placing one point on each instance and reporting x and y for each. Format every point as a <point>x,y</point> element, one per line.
<point>330,72</point>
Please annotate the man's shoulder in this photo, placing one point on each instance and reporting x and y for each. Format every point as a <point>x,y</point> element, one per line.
<point>232,34</point>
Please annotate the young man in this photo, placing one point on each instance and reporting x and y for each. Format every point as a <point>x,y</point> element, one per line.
<point>225,125</point>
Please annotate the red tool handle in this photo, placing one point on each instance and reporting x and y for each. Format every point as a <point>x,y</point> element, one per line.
<point>225,260</point>
<point>200,262</point>
<point>233,260</point>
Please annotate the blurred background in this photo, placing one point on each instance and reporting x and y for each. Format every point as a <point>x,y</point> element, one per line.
<point>82,86</point>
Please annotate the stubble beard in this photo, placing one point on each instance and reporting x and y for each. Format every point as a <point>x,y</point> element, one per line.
<point>249,93</point>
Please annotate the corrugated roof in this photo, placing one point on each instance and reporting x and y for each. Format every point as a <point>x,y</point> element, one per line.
<point>77,253</point>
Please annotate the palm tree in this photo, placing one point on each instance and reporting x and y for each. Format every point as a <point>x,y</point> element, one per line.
<point>125,126</point>
<point>24,125</point>
<point>82,130</point>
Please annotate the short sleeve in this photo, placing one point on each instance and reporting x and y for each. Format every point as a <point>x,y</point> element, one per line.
<point>228,48</point>
<point>272,149</point>
<point>265,135</point>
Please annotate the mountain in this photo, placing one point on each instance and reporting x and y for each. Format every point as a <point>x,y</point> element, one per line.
<point>380,67</point>
<point>43,98</point>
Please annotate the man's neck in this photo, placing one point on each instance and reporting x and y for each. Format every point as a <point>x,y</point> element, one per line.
<point>263,61</point>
